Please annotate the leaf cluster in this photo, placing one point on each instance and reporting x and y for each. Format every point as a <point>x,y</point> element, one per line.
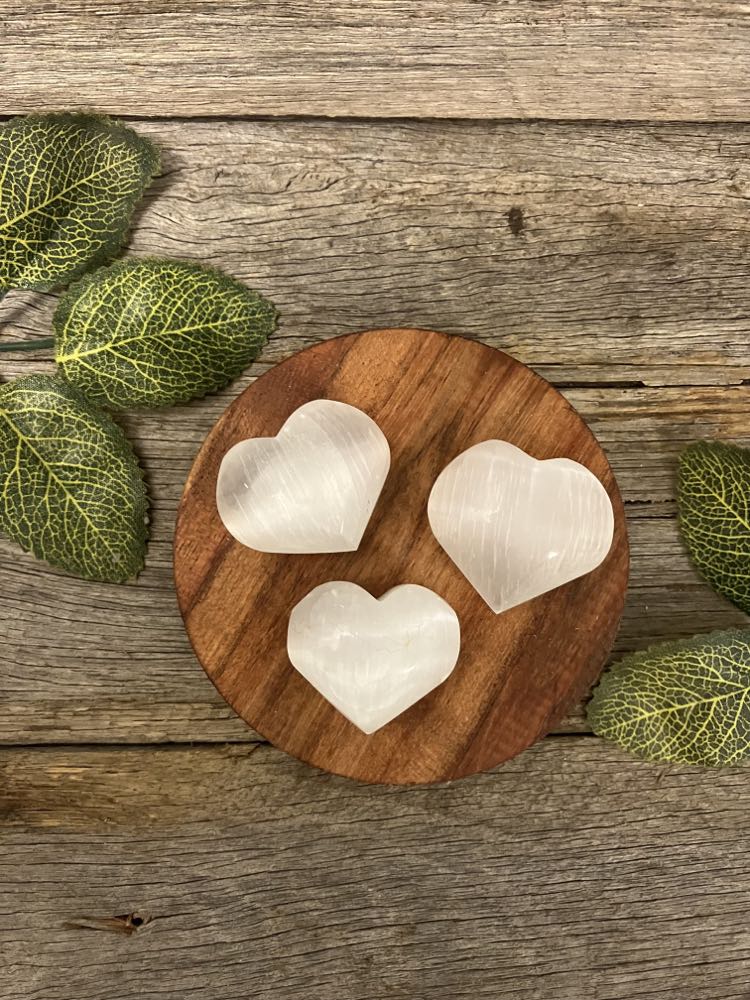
<point>688,702</point>
<point>148,332</point>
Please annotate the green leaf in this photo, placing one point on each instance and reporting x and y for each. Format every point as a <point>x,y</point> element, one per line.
<point>154,332</point>
<point>684,702</point>
<point>68,186</point>
<point>713,496</point>
<point>71,490</point>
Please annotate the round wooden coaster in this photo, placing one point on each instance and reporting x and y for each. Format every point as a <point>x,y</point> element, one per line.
<point>433,396</point>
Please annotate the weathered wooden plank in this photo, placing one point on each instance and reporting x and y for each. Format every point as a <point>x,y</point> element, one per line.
<point>82,662</point>
<point>632,59</point>
<point>594,253</point>
<point>573,871</point>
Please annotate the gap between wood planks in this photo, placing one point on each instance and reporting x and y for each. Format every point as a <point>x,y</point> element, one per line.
<point>300,119</point>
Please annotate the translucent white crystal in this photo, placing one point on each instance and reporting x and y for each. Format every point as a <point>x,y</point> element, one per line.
<point>373,659</point>
<point>517,527</point>
<point>312,488</point>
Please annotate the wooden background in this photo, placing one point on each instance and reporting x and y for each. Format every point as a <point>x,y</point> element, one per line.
<point>566,180</point>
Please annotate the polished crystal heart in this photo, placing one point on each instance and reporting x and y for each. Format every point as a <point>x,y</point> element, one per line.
<point>373,659</point>
<point>312,488</point>
<point>517,527</point>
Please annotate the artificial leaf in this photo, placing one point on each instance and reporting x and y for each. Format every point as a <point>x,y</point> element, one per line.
<point>713,496</point>
<point>71,490</point>
<point>684,702</point>
<point>154,332</point>
<point>68,186</point>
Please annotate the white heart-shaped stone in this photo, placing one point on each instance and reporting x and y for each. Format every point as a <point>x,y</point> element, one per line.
<point>517,527</point>
<point>312,488</point>
<point>373,659</point>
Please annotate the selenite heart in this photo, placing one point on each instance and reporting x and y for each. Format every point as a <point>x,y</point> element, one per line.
<point>373,659</point>
<point>517,527</point>
<point>312,488</point>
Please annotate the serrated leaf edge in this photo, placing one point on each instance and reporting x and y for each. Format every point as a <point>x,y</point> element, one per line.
<point>80,287</point>
<point>144,525</point>
<point>150,167</point>
<point>668,648</point>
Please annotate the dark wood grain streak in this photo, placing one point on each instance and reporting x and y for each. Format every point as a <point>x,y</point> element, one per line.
<point>433,396</point>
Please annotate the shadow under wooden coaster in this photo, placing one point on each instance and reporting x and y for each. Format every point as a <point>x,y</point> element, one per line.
<point>433,396</point>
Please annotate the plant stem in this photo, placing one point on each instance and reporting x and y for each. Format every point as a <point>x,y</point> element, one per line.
<point>27,345</point>
<point>24,345</point>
